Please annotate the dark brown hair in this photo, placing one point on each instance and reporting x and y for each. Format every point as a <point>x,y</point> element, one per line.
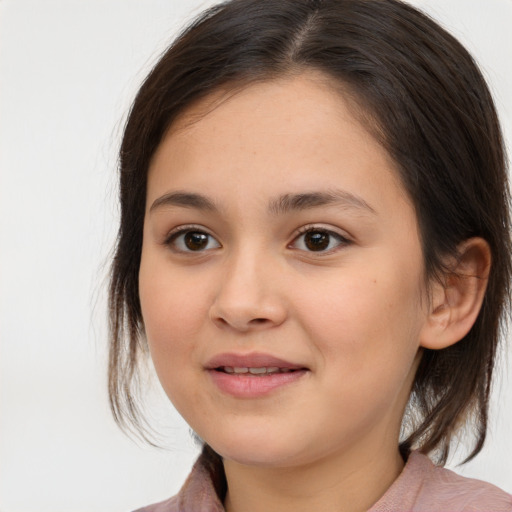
<point>422,96</point>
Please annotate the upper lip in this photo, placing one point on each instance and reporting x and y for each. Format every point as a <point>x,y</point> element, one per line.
<point>253,360</point>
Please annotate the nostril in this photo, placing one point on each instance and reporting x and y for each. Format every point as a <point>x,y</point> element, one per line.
<point>258,321</point>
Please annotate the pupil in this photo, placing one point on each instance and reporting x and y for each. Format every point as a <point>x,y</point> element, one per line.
<point>316,241</point>
<point>195,240</point>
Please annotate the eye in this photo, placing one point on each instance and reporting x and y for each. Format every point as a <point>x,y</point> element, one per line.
<point>318,240</point>
<point>191,240</point>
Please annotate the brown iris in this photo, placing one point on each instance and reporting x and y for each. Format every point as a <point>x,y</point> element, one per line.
<point>316,240</point>
<point>195,240</point>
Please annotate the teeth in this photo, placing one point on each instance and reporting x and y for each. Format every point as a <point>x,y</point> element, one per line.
<point>255,371</point>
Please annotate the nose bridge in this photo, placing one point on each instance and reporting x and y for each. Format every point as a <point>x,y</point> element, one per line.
<point>248,295</point>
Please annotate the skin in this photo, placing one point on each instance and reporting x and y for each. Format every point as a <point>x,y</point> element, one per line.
<point>356,314</point>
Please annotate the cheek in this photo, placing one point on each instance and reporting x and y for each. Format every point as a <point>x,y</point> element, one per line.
<point>172,320</point>
<point>366,333</point>
<point>366,317</point>
<point>171,312</point>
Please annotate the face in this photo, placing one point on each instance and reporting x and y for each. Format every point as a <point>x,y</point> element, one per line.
<point>281,280</point>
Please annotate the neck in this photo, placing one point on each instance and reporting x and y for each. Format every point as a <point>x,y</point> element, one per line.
<point>352,483</point>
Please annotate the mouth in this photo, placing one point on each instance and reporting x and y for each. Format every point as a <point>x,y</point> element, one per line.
<point>253,375</point>
<point>254,363</point>
<point>252,371</point>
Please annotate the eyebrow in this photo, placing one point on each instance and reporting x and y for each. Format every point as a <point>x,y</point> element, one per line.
<point>280,206</point>
<point>308,200</point>
<point>185,200</point>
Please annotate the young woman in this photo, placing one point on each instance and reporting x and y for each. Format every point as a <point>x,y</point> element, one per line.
<point>315,251</point>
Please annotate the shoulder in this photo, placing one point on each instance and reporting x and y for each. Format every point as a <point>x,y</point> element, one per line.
<point>455,492</point>
<point>200,492</point>
<point>170,505</point>
<point>424,487</point>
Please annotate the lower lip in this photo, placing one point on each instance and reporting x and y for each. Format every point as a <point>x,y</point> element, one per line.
<point>253,386</point>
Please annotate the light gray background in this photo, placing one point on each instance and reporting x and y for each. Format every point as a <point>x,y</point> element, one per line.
<point>68,71</point>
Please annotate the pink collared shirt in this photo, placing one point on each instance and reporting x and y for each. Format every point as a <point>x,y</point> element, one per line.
<point>421,487</point>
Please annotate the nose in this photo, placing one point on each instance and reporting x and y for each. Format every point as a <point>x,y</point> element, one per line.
<point>249,296</point>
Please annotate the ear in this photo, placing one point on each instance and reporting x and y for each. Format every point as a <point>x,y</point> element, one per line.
<point>456,301</point>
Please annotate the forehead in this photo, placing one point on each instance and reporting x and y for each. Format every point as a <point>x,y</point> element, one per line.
<point>301,100</point>
<point>293,133</point>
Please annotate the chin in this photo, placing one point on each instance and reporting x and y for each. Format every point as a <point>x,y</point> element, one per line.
<point>265,451</point>
<point>263,459</point>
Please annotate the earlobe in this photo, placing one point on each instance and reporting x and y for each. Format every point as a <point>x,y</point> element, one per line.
<point>456,301</point>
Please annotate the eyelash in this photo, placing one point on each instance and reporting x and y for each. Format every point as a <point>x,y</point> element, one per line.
<point>171,239</point>
<point>342,241</point>
<point>174,235</point>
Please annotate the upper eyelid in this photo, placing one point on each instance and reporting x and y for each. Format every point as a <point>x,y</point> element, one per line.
<point>170,240</point>
<point>344,239</point>
<point>298,231</point>
<point>178,230</point>
<point>321,227</point>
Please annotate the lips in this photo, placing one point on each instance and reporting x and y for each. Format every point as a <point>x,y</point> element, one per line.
<point>253,375</point>
<point>255,360</point>
<point>260,371</point>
